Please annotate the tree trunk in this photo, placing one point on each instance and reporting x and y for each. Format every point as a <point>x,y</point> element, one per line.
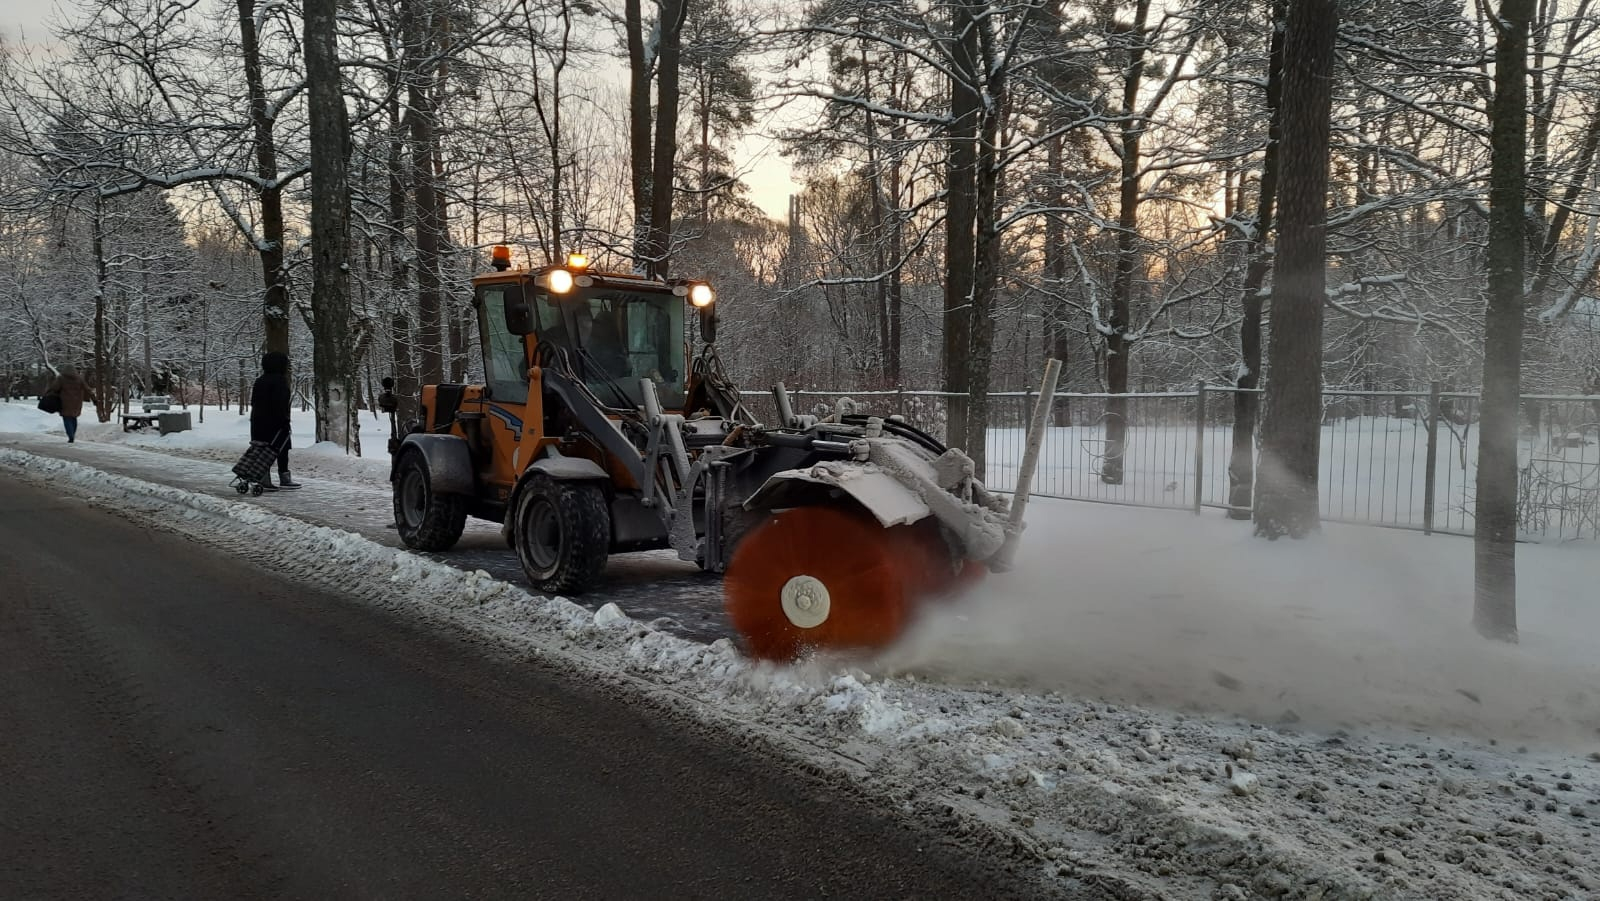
<point>1118,347</point>
<point>430,224</point>
<point>407,390</point>
<point>1286,499</point>
<point>880,218</point>
<point>966,107</point>
<point>102,362</point>
<point>121,350</point>
<point>704,110</point>
<point>1495,534</point>
<point>148,368</point>
<point>891,363</point>
<point>1055,270</point>
<point>1242,463</point>
<point>454,314</point>
<point>275,303</point>
<point>639,142</point>
<point>333,379</point>
<point>205,357</point>
<point>666,129</point>
<point>986,232</point>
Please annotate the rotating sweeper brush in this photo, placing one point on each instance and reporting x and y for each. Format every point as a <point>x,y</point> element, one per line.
<point>903,524</point>
<point>596,433</point>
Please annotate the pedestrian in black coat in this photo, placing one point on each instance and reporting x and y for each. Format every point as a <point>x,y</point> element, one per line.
<point>269,413</point>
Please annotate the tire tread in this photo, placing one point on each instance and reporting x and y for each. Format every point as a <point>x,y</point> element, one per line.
<point>583,514</point>
<point>443,520</point>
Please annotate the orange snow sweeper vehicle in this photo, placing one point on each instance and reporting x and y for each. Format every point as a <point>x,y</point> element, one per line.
<point>597,431</point>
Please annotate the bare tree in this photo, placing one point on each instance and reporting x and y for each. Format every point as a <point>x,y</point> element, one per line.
<point>1246,403</point>
<point>1286,495</point>
<point>1495,534</point>
<point>653,140</point>
<point>333,378</point>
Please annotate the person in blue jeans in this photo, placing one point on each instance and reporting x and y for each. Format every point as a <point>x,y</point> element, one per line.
<point>73,391</point>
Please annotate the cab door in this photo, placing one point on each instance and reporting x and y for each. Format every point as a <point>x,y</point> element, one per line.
<point>505,370</point>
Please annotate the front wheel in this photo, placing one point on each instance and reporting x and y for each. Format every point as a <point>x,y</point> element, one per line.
<point>425,521</point>
<point>562,533</point>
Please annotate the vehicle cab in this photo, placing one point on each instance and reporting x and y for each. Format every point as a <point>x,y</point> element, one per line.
<point>604,331</point>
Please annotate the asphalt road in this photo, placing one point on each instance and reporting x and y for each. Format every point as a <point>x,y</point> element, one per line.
<point>174,723</point>
<point>651,586</point>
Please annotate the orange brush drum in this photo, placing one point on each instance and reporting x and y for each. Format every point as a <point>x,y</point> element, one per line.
<point>831,578</point>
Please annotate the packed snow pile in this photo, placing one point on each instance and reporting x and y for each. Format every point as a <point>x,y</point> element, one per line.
<point>1121,799</point>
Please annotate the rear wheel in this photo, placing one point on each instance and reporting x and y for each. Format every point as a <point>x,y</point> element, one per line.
<point>562,533</point>
<point>829,577</point>
<point>425,521</point>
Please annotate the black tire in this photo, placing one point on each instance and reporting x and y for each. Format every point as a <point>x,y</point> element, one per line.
<point>562,533</point>
<point>257,490</point>
<point>425,521</point>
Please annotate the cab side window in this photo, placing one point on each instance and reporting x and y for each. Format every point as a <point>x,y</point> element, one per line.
<point>505,366</point>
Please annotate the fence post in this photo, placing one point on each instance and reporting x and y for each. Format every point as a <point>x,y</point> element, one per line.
<point>900,401</point>
<point>1431,466</point>
<point>1199,443</point>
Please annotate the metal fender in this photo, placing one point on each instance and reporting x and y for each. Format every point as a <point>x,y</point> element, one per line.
<point>567,469</point>
<point>448,458</point>
<point>884,496</point>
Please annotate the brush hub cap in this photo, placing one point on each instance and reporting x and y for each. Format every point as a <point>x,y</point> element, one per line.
<point>805,601</point>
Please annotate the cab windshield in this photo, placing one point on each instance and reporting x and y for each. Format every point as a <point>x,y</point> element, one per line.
<point>621,336</point>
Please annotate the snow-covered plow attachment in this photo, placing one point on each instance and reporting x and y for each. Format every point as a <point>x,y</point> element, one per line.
<point>848,549</point>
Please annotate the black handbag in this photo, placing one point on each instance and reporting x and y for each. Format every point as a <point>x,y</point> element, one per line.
<point>50,403</point>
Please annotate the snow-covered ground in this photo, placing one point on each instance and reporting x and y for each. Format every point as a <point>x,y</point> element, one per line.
<point>222,435</point>
<point>1152,700</point>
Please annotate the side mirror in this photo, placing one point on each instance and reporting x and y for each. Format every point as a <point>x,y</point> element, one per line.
<point>708,323</point>
<point>519,311</point>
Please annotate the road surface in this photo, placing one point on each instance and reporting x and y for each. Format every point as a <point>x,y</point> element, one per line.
<point>179,724</point>
<point>653,586</point>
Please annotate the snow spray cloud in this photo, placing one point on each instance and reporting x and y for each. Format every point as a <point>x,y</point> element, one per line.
<point>1357,628</point>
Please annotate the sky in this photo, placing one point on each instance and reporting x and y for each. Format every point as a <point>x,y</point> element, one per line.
<point>765,172</point>
<point>24,16</point>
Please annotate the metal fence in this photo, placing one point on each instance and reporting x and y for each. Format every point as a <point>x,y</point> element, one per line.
<point>1403,459</point>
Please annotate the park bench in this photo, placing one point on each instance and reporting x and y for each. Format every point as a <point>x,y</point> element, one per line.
<point>134,422</point>
<point>158,413</point>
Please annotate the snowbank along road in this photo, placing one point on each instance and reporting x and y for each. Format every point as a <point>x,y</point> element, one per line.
<point>1124,800</point>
